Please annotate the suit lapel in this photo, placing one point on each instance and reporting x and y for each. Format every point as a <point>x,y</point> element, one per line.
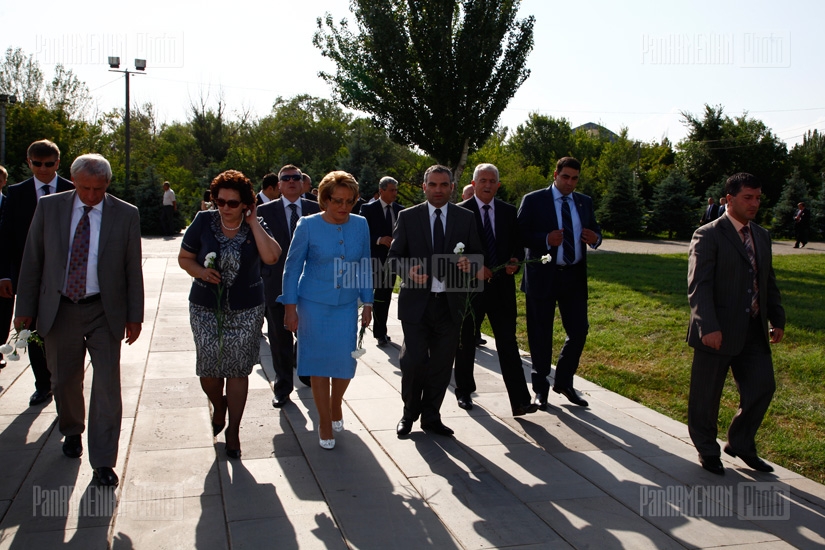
<point>280,217</point>
<point>107,222</point>
<point>729,231</point>
<point>424,221</point>
<point>64,222</point>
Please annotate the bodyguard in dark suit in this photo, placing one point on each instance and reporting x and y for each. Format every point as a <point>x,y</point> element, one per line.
<point>381,216</point>
<point>43,158</point>
<point>281,215</point>
<point>711,212</point>
<point>733,297</point>
<point>497,224</point>
<point>81,276</point>
<point>269,189</point>
<point>431,303</point>
<point>802,225</point>
<point>559,222</point>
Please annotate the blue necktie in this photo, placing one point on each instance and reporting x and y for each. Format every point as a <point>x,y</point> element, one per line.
<point>568,246</point>
<point>293,219</point>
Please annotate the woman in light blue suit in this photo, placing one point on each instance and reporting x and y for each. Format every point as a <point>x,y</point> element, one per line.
<point>326,272</point>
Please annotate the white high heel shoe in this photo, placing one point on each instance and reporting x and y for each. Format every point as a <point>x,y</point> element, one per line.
<point>338,425</point>
<point>327,444</point>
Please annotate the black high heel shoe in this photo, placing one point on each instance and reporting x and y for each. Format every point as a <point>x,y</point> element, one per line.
<point>218,428</point>
<point>233,453</point>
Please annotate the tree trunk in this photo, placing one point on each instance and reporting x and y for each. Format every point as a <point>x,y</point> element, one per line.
<point>462,162</point>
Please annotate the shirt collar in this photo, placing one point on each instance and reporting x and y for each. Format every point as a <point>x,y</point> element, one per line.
<point>481,204</point>
<point>79,204</point>
<point>40,184</point>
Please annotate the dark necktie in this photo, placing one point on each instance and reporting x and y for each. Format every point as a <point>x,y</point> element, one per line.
<point>568,246</point>
<point>76,282</point>
<point>438,242</point>
<point>752,257</point>
<point>388,217</point>
<point>293,219</point>
<point>45,190</point>
<point>489,238</point>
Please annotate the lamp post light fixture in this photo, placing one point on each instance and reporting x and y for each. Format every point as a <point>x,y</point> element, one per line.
<point>114,67</point>
<point>5,99</point>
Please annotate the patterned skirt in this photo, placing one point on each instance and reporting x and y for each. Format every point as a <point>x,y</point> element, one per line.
<point>241,341</point>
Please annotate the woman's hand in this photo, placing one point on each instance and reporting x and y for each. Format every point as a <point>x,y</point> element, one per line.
<point>291,317</point>
<point>366,316</point>
<point>211,275</point>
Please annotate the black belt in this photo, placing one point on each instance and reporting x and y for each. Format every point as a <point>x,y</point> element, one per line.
<point>437,294</point>
<point>568,266</point>
<point>86,300</point>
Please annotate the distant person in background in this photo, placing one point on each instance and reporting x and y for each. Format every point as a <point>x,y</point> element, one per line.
<point>802,224</point>
<point>723,202</point>
<point>6,304</point>
<point>206,202</point>
<point>226,301</point>
<point>21,201</point>
<point>711,212</point>
<point>467,192</point>
<point>324,277</point>
<point>167,214</point>
<point>381,216</point>
<point>269,189</point>
<point>307,188</point>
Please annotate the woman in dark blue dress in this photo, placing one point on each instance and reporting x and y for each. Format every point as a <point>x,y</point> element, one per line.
<point>222,251</point>
<point>326,272</point>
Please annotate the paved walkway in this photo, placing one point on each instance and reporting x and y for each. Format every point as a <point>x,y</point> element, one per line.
<point>613,475</point>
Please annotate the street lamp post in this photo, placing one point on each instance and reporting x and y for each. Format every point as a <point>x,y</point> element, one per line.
<point>140,65</point>
<point>5,99</point>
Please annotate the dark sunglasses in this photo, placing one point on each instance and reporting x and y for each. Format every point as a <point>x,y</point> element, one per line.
<point>293,177</point>
<point>38,164</point>
<point>230,203</point>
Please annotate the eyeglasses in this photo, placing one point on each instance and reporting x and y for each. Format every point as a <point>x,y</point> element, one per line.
<point>38,164</point>
<point>230,203</point>
<point>342,202</point>
<point>293,177</point>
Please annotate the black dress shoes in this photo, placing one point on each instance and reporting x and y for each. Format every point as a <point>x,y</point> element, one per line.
<point>540,402</point>
<point>279,401</point>
<point>39,397</point>
<point>480,341</point>
<point>383,341</point>
<point>521,410</point>
<point>753,462</point>
<point>404,426</point>
<point>465,402</point>
<point>437,427</point>
<point>106,476</point>
<point>73,446</point>
<point>712,464</point>
<point>571,396</point>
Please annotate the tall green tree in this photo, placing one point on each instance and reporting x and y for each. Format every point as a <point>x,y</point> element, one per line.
<point>542,140</point>
<point>622,210</point>
<point>436,74</point>
<point>818,213</point>
<point>809,156</point>
<point>673,208</point>
<point>794,192</point>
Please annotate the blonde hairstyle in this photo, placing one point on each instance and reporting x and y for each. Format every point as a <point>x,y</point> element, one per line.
<point>338,178</point>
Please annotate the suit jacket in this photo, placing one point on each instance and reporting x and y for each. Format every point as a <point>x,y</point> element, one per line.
<point>276,219</point>
<point>711,213</point>
<point>719,278</point>
<point>508,234</point>
<point>536,218</point>
<point>376,219</point>
<point>21,203</point>
<point>45,260</point>
<point>413,243</point>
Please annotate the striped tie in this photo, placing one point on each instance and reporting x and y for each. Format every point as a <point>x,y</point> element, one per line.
<point>293,219</point>
<point>568,245</point>
<point>752,257</point>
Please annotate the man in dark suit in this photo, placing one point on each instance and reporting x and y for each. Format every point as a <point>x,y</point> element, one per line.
<point>711,212</point>
<point>559,222</point>
<point>307,188</point>
<point>733,296</point>
<point>44,159</point>
<point>802,224</point>
<point>81,277</point>
<point>281,215</point>
<point>723,204</point>
<point>381,216</point>
<point>6,304</point>
<point>433,296</point>
<point>269,189</point>
<point>496,223</point>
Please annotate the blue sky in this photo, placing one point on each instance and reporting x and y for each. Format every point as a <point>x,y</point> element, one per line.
<point>636,63</point>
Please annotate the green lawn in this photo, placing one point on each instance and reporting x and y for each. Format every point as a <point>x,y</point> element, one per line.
<point>636,347</point>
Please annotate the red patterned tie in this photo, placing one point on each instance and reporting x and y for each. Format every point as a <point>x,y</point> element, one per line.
<point>76,283</point>
<point>752,257</point>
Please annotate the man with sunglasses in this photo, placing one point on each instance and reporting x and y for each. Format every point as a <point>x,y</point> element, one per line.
<point>44,159</point>
<point>281,215</point>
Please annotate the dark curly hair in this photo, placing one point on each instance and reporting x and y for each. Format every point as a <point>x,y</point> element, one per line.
<point>233,179</point>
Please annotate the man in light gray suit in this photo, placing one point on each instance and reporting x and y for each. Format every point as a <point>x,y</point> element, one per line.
<point>733,297</point>
<point>81,277</point>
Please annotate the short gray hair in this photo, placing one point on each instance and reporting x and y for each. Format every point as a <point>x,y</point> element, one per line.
<point>92,164</point>
<point>486,167</point>
<point>385,181</point>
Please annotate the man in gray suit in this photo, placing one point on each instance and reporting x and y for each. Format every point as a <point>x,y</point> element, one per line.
<point>281,215</point>
<point>733,297</point>
<point>81,277</point>
<point>433,295</point>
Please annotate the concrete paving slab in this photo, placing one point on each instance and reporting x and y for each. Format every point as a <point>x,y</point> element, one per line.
<point>174,393</point>
<point>26,431</point>
<point>421,454</point>
<point>194,522</point>
<point>304,531</point>
<point>181,472</point>
<point>172,429</point>
<point>80,539</point>
<point>16,466</point>
<point>171,364</point>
